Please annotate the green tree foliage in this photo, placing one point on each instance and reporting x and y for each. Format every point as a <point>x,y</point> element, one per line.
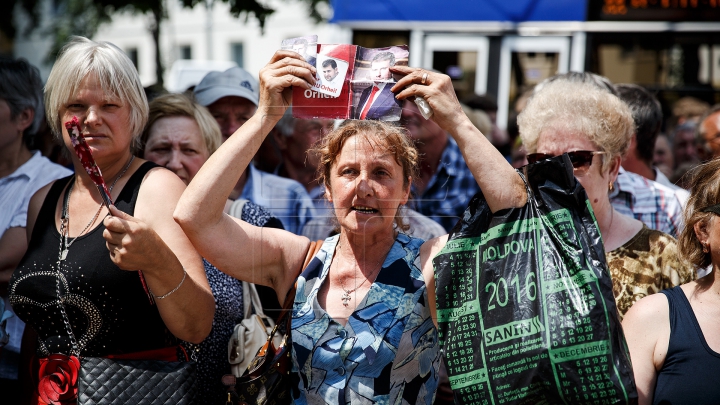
<point>84,17</point>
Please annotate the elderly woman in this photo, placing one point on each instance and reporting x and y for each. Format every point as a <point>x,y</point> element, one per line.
<point>78,285</point>
<point>362,327</point>
<point>674,337</point>
<point>181,135</point>
<point>594,127</point>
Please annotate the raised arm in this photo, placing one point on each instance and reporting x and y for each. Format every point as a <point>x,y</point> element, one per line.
<point>500,184</point>
<point>258,255</point>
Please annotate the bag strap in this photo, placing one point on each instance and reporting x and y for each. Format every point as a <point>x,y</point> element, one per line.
<point>251,299</point>
<point>290,298</point>
<point>312,251</point>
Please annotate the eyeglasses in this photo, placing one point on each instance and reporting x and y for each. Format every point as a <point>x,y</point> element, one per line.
<point>581,159</point>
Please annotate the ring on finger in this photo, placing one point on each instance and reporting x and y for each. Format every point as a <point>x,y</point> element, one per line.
<point>424,78</point>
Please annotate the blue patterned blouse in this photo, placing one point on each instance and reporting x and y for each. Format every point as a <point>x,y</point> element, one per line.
<point>388,351</point>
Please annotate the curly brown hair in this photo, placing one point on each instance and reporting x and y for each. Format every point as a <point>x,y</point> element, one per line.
<point>390,137</point>
<point>704,192</point>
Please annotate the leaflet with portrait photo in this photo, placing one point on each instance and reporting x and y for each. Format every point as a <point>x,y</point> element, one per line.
<point>305,46</point>
<point>352,83</point>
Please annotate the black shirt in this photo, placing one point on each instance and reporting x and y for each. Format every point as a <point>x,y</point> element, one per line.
<point>108,308</point>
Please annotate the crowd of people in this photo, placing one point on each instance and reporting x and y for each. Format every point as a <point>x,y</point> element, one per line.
<point>248,187</point>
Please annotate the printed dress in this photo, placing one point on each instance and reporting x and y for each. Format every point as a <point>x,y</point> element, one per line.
<point>388,351</point>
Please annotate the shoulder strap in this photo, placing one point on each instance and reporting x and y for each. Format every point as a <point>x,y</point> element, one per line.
<point>312,251</point>
<point>251,299</point>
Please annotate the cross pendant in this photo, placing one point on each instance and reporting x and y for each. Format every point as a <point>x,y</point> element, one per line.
<point>345,298</point>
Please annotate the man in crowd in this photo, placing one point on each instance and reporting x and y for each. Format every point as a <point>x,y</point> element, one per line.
<point>709,133</point>
<point>22,173</point>
<point>377,102</point>
<point>232,97</point>
<point>445,185</point>
<point>647,114</point>
<point>634,193</point>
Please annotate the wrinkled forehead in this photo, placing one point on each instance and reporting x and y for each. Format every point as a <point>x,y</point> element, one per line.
<point>366,144</point>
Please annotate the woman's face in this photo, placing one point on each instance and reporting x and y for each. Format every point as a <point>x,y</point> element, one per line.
<point>595,180</point>
<point>366,186</point>
<point>176,143</point>
<point>104,119</point>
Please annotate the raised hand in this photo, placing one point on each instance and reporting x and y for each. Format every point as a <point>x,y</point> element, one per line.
<point>436,89</point>
<point>285,69</point>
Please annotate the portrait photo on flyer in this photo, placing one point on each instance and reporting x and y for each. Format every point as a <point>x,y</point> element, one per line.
<point>372,81</point>
<point>306,46</point>
<point>332,72</point>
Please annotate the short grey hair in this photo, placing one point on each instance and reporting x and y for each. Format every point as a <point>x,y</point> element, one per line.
<point>117,75</point>
<point>22,88</point>
<point>600,82</point>
<point>286,125</point>
<point>582,108</point>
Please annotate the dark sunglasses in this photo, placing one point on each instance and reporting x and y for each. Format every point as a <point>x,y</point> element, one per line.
<point>581,159</point>
<point>715,209</point>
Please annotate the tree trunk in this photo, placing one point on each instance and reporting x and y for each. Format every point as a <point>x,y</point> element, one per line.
<point>157,15</point>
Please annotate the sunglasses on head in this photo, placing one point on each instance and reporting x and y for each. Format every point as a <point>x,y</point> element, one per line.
<point>581,159</point>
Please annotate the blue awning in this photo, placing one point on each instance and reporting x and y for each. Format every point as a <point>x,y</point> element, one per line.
<point>459,10</point>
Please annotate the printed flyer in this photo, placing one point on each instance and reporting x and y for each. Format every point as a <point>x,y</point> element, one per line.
<point>352,82</point>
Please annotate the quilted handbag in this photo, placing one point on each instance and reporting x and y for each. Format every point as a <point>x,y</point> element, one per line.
<point>107,381</point>
<point>267,378</point>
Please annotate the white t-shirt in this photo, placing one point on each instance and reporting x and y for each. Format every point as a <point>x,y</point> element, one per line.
<point>15,193</point>
<point>17,188</point>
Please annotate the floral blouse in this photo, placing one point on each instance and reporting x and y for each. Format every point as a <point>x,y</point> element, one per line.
<point>387,352</point>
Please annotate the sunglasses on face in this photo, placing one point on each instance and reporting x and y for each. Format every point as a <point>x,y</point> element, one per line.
<point>581,159</point>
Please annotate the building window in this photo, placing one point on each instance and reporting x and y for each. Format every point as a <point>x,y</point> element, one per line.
<point>236,50</point>
<point>132,53</point>
<point>186,52</point>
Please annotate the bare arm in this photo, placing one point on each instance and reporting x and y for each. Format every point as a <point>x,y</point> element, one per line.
<point>151,241</point>
<point>647,331</point>
<point>264,256</point>
<point>500,184</point>
<point>14,241</point>
<point>13,245</point>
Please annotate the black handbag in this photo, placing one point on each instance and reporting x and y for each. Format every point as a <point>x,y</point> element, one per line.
<point>109,381</point>
<point>267,379</point>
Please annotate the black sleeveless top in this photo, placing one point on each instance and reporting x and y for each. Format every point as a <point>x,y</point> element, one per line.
<point>107,307</point>
<point>690,372</point>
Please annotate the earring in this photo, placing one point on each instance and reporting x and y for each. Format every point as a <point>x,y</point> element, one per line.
<point>611,187</point>
<point>705,248</point>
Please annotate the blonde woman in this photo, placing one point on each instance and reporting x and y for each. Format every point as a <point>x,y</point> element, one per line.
<point>78,285</point>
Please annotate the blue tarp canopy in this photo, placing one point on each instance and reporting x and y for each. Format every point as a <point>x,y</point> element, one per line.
<point>459,10</point>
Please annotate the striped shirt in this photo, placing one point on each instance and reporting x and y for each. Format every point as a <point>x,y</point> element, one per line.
<point>657,206</point>
<point>449,191</point>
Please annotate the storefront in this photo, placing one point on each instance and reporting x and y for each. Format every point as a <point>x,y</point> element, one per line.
<point>503,48</point>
